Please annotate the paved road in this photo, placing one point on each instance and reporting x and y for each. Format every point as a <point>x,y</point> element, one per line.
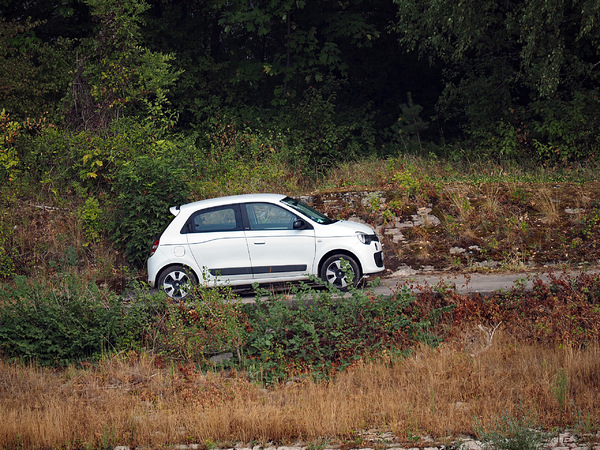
<point>471,283</point>
<point>463,283</point>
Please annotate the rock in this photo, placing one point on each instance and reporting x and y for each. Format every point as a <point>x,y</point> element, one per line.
<point>423,217</point>
<point>470,444</point>
<point>404,271</point>
<point>487,264</point>
<point>406,224</point>
<point>396,234</point>
<point>220,359</point>
<point>574,210</point>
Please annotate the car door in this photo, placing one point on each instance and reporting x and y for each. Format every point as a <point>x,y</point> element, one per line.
<point>277,250</point>
<point>217,241</point>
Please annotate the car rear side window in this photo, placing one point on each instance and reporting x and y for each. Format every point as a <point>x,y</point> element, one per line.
<point>224,218</point>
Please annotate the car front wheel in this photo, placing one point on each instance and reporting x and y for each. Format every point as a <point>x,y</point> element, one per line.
<point>176,282</point>
<point>340,271</point>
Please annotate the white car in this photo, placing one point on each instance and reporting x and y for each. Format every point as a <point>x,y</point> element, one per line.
<point>259,238</point>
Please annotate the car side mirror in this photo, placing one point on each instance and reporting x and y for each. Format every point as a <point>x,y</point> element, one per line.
<point>299,224</point>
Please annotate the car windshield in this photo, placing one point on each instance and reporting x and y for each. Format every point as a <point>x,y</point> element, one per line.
<point>308,211</point>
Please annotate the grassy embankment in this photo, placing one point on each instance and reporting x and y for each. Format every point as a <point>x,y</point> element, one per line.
<point>540,368</point>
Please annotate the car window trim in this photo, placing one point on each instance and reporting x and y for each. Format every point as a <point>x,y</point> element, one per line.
<point>239,223</point>
<point>298,207</point>
<point>246,219</point>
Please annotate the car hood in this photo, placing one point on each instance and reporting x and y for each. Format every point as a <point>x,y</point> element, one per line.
<point>344,228</point>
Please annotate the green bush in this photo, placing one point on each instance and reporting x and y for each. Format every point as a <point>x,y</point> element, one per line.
<point>325,330</point>
<point>510,432</point>
<point>91,220</point>
<point>316,132</point>
<point>321,332</point>
<point>146,187</point>
<point>84,160</point>
<point>8,253</point>
<point>567,130</point>
<point>7,262</point>
<point>317,137</point>
<point>209,322</point>
<point>9,159</point>
<point>70,321</point>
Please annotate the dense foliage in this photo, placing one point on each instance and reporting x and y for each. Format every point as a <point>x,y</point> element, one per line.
<point>321,332</point>
<point>69,322</point>
<point>500,70</point>
<point>226,96</point>
<point>517,74</point>
<point>325,331</point>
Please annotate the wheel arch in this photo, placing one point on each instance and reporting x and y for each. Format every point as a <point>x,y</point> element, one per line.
<point>172,265</point>
<point>340,252</point>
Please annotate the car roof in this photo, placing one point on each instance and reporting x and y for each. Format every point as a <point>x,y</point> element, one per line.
<point>219,201</point>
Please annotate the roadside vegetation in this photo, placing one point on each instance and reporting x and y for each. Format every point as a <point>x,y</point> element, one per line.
<point>123,108</point>
<point>92,359</point>
<point>318,371</point>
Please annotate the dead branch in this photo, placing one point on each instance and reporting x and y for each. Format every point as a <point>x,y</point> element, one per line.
<point>489,337</point>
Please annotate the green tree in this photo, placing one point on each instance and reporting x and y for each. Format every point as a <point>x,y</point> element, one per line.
<point>547,44</point>
<point>33,73</point>
<point>500,56</point>
<point>297,42</point>
<point>241,59</point>
<point>114,71</point>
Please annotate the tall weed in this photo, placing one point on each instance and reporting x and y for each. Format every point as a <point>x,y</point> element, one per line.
<point>510,432</point>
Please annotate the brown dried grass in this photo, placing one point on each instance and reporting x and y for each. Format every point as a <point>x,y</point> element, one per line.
<point>546,203</point>
<point>351,174</point>
<point>134,400</point>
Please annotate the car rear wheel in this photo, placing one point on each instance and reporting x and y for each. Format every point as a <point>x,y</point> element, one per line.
<point>341,271</point>
<point>176,281</point>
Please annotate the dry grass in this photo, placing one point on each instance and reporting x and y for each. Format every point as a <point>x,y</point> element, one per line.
<point>462,206</point>
<point>348,174</point>
<point>547,205</point>
<point>133,400</point>
<point>492,204</point>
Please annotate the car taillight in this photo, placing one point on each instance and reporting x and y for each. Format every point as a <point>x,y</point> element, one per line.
<point>154,247</point>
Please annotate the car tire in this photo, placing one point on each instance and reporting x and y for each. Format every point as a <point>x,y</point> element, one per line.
<point>176,281</point>
<point>332,271</point>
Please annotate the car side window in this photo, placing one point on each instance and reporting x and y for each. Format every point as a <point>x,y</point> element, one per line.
<point>264,216</point>
<point>224,218</point>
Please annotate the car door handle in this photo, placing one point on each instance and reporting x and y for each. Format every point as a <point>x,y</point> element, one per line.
<point>259,242</point>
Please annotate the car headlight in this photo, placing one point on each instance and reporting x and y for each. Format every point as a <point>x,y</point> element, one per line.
<point>367,238</point>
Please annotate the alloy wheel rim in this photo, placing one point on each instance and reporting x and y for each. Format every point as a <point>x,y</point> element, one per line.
<point>175,284</point>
